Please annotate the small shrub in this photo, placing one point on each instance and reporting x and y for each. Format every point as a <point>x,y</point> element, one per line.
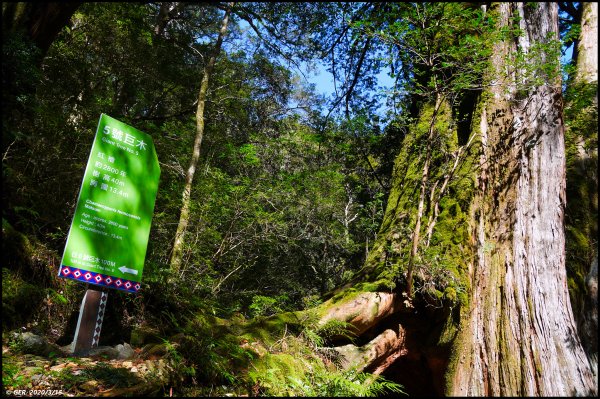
<point>267,306</point>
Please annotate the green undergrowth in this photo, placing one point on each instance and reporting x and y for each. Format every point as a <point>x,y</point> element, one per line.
<point>19,298</point>
<point>283,374</point>
<point>32,294</point>
<point>294,366</point>
<point>277,355</point>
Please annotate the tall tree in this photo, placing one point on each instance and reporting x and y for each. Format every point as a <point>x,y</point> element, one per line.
<point>581,137</point>
<point>520,337</point>
<point>175,261</point>
<point>504,231</point>
<point>587,47</point>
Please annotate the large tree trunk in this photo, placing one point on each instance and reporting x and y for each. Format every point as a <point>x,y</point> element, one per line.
<point>517,334</point>
<point>176,255</point>
<point>520,337</point>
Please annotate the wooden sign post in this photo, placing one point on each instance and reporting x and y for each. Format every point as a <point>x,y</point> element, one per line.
<point>89,324</point>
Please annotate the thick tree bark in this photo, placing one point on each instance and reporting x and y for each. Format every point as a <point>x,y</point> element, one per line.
<point>520,336</point>
<point>517,335</point>
<point>176,255</point>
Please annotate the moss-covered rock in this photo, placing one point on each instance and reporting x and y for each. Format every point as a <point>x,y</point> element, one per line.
<point>142,335</point>
<point>16,247</point>
<point>29,343</point>
<point>20,299</point>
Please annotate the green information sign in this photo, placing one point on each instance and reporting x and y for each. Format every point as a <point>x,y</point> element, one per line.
<point>109,233</point>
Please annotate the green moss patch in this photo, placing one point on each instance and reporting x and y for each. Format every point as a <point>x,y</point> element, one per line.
<point>20,299</point>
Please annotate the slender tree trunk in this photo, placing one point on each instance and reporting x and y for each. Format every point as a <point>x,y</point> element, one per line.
<point>176,255</point>
<point>587,61</point>
<point>519,336</point>
<point>585,176</point>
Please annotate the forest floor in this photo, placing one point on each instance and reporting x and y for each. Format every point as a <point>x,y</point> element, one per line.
<point>32,375</point>
<point>59,375</point>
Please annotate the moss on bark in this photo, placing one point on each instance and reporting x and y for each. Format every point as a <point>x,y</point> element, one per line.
<point>445,246</point>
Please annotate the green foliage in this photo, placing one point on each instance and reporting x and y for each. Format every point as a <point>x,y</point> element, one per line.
<point>267,306</point>
<point>345,384</point>
<point>286,204</point>
<point>274,200</point>
<point>581,113</point>
<point>54,296</point>
<point>16,244</point>
<point>336,329</point>
<point>178,361</point>
<point>272,215</point>
<point>20,73</point>
<point>318,335</point>
<point>31,293</point>
<point>286,375</point>
<point>435,47</point>
<point>535,66</point>
<point>266,356</point>
<point>118,66</point>
<point>206,351</point>
<point>303,374</point>
<point>11,378</point>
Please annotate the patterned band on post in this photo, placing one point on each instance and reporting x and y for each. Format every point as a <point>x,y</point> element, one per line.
<point>99,320</point>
